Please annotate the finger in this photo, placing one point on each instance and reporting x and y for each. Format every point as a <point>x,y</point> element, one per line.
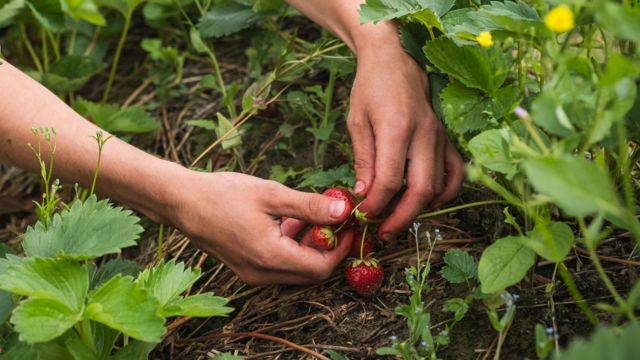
<point>391,154</point>
<point>363,151</point>
<point>454,165</point>
<point>311,263</point>
<point>309,207</point>
<point>291,227</point>
<point>425,181</point>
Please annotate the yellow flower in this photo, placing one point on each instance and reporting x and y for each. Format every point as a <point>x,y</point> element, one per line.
<point>485,39</point>
<point>560,19</point>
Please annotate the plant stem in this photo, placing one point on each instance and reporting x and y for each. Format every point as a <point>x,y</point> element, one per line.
<point>364,234</point>
<point>160,254</point>
<point>32,52</point>
<point>607,282</point>
<point>116,58</point>
<point>84,330</point>
<point>54,44</point>
<point>460,207</point>
<point>45,50</point>
<point>576,295</point>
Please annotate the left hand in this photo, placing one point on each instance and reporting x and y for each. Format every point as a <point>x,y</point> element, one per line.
<point>395,132</point>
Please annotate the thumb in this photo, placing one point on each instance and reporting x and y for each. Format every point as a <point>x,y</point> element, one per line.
<point>310,207</point>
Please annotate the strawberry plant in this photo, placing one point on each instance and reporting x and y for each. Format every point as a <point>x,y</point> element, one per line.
<point>543,97</point>
<point>61,302</point>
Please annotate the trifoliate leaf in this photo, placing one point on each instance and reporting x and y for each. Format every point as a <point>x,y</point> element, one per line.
<point>167,281</point>
<point>86,231</point>
<point>379,10</point>
<point>64,281</point>
<point>460,267</point>
<point>504,263</point>
<point>121,305</point>
<point>201,305</point>
<point>113,268</point>
<point>478,68</point>
<point>40,320</point>
<point>342,175</point>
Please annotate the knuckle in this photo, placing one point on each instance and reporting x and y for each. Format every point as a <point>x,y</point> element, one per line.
<point>361,164</point>
<point>356,124</point>
<point>392,184</point>
<point>426,192</point>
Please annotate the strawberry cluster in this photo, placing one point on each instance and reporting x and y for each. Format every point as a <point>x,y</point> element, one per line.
<point>363,272</point>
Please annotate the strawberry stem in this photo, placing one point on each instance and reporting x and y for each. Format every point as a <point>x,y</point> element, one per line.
<point>364,234</point>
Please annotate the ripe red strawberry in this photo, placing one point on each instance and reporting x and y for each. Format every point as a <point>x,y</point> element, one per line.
<point>322,237</point>
<point>368,247</point>
<point>365,276</point>
<point>342,194</point>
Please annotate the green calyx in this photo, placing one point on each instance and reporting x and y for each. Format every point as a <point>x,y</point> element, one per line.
<point>371,262</point>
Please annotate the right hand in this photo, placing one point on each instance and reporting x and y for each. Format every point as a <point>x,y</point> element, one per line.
<point>236,218</point>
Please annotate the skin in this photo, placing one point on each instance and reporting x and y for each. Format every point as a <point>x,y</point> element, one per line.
<point>393,128</point>
<point>235,217</point>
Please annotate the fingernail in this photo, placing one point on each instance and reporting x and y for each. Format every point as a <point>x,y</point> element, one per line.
<point>359,187</point>
<point>337,208</point>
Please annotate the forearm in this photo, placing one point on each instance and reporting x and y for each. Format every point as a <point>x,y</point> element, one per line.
<point>341,17</point>
<point>127,174</point>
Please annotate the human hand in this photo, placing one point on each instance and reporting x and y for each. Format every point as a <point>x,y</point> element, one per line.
<point>236,218</point>
<point>395,133</point>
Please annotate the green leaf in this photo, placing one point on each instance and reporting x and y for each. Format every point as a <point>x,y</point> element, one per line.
<point>86,231</point>
<point>64,281</point>
<point>196,41</point>
<point>201,305</point>
<point>167,281</point>
<point>576,185</point>
<point>622,21</point>
<point>123,306</point>
<point>134,350</point>
<point>413,36</point>
<point>552,241</point>
<point>279,174</point>
<point>48,13</point>
<point>40,320</point>
<point>457,306</point>
<point>322,133</point>
<point>342,175</point>
<point>86,10</point>
<point>6,306</point>
<point>227,18</point>
<point>112,118</point>
<point>225,128</point>
<point>515,17</point>
<point>504,263</point>
<point>70,73</point>
<point>467,109</point>
<point>333,355</point>
<point>478,68</point>
<point>125,7</point>
<point>460,267</point>
<point>491,150</point>
<point>9,9</point>
<point>605,343</point>
<point>79,349</point>
<point>379,10</point>
<point>113,268</point>
<point>548,112</point>
<point>202,123</point>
